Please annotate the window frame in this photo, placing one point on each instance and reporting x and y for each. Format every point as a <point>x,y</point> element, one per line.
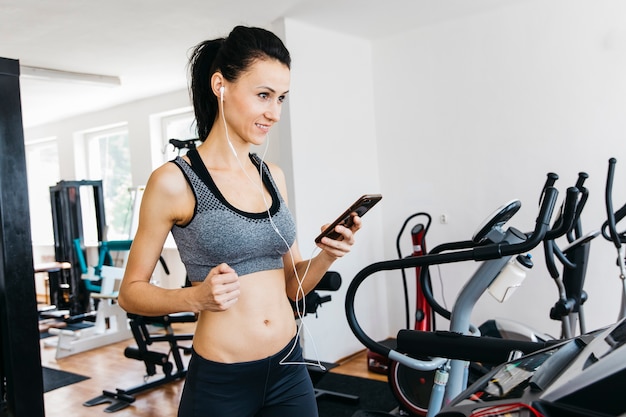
<point>37,205</point>
<point>84,162</point>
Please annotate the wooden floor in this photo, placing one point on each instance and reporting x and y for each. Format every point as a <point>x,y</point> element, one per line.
<point>108,369</point>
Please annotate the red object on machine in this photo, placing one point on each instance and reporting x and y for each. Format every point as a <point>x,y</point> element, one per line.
<point>423,310</point>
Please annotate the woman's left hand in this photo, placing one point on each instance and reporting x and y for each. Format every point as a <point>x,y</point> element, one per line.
<point>341,246</point>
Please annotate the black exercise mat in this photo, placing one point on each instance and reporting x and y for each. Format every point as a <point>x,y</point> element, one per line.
<point>54,378</point>
<point>373,395</point>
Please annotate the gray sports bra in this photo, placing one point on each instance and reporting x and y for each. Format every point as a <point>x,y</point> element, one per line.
<point>219,232</point>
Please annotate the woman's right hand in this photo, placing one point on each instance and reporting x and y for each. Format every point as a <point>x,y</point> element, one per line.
<point>220,289</point>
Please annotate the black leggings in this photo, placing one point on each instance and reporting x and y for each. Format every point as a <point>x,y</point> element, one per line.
<point>262,388</point>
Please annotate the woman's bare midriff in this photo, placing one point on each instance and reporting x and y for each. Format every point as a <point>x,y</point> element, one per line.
<point>255,327</point>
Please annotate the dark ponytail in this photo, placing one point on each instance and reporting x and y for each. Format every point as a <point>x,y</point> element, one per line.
<point>203,99</point>
<point>231,57</point>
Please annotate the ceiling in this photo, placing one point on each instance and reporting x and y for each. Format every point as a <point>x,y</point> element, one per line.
<point>145,43</point>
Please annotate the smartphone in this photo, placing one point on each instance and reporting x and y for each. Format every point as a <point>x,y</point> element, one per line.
<point>360,207</point>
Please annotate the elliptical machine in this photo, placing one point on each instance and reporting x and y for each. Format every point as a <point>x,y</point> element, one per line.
<point>450,369</point>
<point>575,378</point>
<point>568,309</point>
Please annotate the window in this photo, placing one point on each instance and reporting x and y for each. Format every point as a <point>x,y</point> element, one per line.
<point>42,170</point>
<point>107,158</point>
<point>179,125</point>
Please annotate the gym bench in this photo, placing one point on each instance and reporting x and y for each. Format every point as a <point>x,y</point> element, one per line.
<point>122,398</point>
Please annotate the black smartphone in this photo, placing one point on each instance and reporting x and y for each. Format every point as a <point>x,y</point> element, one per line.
<point>360,207</point>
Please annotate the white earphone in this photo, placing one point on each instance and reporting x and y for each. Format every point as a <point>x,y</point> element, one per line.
<point>230,144</point>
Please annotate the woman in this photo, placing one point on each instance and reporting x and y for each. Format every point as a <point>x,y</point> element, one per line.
<point>227,211</point>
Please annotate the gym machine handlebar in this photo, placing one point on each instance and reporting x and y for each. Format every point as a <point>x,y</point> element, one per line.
<point>480,253</point>
<point>618,238</point>
<point>613,217</point>
<point>454,345</point>
<point>570,212</point>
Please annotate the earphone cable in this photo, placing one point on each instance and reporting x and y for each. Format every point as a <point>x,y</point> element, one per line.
<point>300,294</point>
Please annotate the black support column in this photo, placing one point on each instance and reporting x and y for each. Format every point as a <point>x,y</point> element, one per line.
<point>21,381</point>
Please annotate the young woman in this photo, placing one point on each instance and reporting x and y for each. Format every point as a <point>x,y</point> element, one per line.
<point>227,210</point>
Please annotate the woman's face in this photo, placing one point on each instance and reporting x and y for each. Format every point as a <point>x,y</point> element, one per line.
<point>253,103</point>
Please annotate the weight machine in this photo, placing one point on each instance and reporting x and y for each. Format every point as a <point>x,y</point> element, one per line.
<point>67,220</point>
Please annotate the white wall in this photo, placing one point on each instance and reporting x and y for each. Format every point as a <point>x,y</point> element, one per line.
<point>334,161</point>
<point>474,112</point>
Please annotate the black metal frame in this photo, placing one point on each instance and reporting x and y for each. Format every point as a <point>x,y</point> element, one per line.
<point>21,380</point>
<point>67,221</point>
<point>122,398</point>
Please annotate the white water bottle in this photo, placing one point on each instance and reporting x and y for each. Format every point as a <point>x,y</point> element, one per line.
<point>510,277</point>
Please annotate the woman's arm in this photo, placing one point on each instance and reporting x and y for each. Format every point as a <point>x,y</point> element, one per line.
<point>167,200</point>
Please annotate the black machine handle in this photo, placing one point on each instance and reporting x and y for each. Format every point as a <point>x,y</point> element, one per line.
<point>331,281</point>
<point>612,217</point>
<point>570,215</point>
<point>183,143</point>
<point>480,253</point>
<point>453,345</point>
<point>552,178</point>
<point>577,231</point>
<point>569,219</point>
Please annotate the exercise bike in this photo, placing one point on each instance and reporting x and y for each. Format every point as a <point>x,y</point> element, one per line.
<point>451,376</point>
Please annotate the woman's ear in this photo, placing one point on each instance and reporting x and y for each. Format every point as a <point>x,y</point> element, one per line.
<point>217,85</point>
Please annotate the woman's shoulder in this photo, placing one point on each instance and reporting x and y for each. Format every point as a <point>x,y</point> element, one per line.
<point>167,179</point>
<point>279,178</point>
<point>275,170</point>
<point>168,196</point>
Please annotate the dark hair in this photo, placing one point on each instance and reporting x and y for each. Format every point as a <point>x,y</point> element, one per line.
<point>230,56</point>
